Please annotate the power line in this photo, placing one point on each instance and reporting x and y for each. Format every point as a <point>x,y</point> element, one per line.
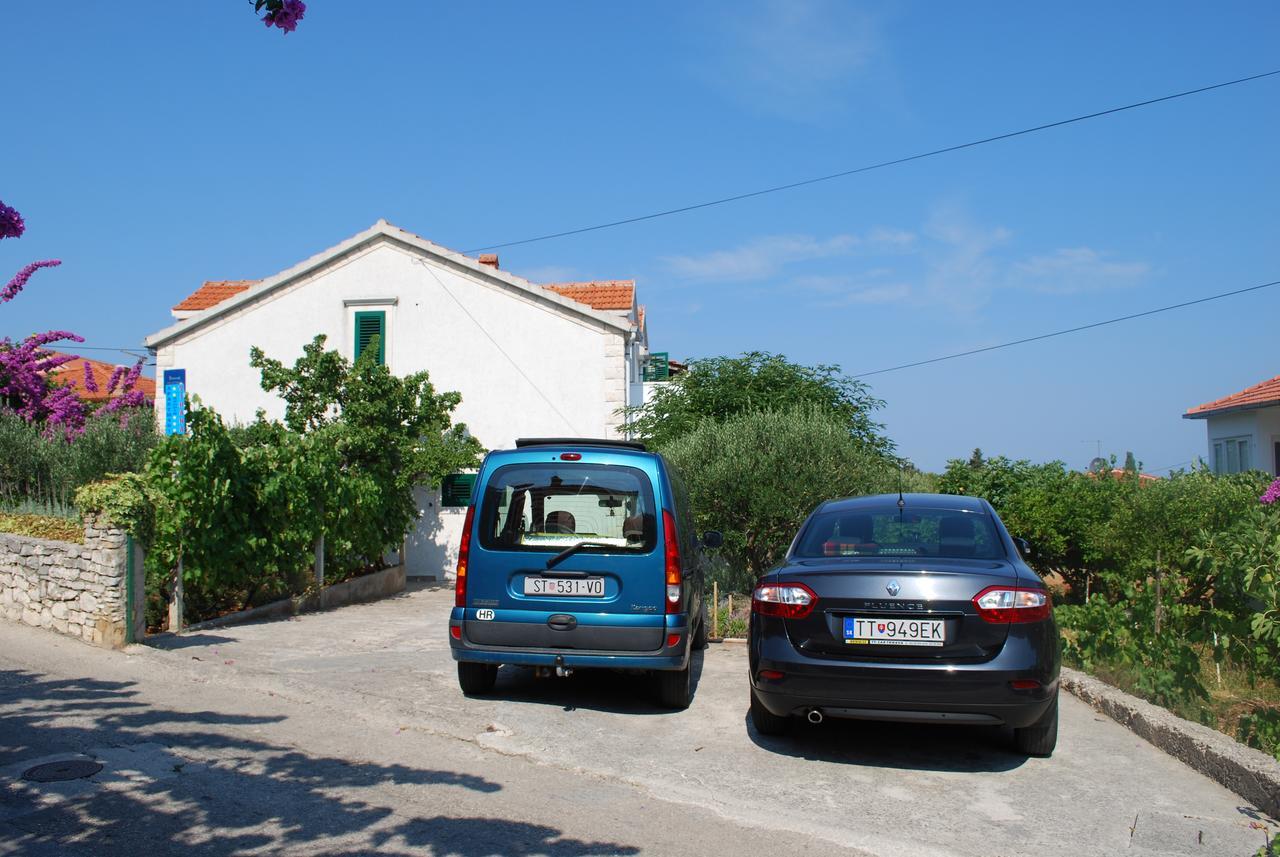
<point>869,167</point>
<point>498,346</point>
<point>1116,320</point>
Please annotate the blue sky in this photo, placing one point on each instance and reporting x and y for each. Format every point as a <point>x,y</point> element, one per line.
<point>153,151</point>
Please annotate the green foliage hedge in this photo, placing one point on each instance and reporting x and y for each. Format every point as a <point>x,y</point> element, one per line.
<point>757,475</point>
<point>1157,572</point>
<point>38,470</point>
<point>242,507</point>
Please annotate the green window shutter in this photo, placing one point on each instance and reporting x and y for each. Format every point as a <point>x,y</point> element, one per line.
<point>369,325</point>
<point>456,489</point>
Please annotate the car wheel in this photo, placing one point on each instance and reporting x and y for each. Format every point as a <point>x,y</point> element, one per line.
<point>700,636</point>
<point>765,721</point>
<point>674,690</point>
<point>476,679</point>
<point>1040,738</point>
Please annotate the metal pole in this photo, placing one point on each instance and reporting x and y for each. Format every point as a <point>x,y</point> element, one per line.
<point>715,608</point>
<point>320,560</point>
<point>175,602</point>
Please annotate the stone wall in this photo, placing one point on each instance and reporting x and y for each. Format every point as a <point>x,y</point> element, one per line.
<point>77,590</point>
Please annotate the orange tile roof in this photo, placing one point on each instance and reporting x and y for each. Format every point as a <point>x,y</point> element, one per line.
<point>214,292</point>
<point>71,374</point>
<point>1257,396</point>
<point>598,294</point>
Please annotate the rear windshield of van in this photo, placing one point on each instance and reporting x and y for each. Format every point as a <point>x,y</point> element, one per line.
<point>888,531</point>
<point>548,507</point>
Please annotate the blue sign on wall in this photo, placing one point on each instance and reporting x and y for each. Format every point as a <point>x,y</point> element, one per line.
<point>175,401</point>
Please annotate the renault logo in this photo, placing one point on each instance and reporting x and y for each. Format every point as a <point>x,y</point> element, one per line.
<point>893,587</point>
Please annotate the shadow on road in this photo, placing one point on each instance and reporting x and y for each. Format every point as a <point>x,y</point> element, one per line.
<point>906,746</point>
<point>595,690</point>
<point>190,787</point>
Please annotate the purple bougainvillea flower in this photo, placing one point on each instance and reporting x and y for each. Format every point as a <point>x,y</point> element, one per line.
<point>10,291</point>
<point>89,383</point>
<point>11,225</point>
<point>1272,494</point>
<point>287,16</point>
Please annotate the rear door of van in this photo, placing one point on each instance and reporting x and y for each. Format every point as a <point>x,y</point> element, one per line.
<point>532,505</point>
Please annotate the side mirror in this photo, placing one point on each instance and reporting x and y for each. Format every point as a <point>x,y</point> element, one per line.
<point>712,539</point>
<point>1024,547</point>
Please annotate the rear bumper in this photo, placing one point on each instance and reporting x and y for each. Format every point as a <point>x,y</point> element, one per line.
<point>862,689</point>
<point>675,657</point>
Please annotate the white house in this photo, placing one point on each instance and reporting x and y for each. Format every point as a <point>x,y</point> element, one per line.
<point>529,360</point>
<point>1243,429</point>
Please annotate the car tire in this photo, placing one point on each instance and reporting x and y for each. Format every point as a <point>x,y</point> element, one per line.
<point>476,679</point>
<point>1041,737</point>
<point>700,635</point>
<point>674,688</point>
<point>765,721</point>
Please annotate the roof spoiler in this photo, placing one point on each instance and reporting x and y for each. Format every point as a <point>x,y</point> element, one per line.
<point>523,442</point>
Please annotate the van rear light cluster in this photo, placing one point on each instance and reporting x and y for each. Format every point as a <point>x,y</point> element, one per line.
<point>674,571</point>
<point>1009,604</point>
<point>788,600</point>
<point>464,554</point>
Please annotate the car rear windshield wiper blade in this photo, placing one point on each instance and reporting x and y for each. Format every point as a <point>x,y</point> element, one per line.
<point>572,549</point>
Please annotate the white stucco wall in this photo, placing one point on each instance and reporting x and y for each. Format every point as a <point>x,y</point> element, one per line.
<point>468,331</point>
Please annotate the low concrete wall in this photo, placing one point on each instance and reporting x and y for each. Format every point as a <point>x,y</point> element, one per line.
<point>77,590</point>
<point>370,587</point>
<point>1250,773</point>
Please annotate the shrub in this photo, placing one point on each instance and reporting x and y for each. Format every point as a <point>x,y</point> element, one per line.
<point>756,476</point>
<point>45,471</point>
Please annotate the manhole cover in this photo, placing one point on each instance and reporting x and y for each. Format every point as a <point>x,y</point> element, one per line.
<point>57,772</point>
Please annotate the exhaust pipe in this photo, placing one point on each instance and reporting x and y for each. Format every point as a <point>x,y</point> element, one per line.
<point>814,716</point>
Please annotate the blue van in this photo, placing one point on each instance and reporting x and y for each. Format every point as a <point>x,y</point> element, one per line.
<point>579,554</point>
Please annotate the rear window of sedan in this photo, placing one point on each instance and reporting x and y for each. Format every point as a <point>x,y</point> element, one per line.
<point>888,531</point>
<point>548,507</point>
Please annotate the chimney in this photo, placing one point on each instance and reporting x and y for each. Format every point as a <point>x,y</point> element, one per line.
<point>490,259</point>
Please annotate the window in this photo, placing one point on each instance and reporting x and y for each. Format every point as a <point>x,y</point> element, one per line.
<point>371,325</point>
<point>456,489</point>
<point>657,367</point>
<point>888,531</point>
<point>1231,455</point>
<point>548,507</point>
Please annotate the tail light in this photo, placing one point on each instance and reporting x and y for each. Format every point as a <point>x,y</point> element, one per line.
<point>675,575</point>
<point>788,600</point>
<point>464,553</point>
<point>1006,604</point>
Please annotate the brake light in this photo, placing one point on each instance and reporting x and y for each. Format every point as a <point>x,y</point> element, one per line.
<point>1008,604</point>
<point>674,574</point>
<point>464,553</point>
<point>571,456</point>
<point>788,600</point>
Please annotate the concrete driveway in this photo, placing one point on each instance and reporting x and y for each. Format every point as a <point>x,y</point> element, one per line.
<point>382,673</point>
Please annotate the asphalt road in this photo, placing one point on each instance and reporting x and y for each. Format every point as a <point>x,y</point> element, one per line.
<point>345,733</point>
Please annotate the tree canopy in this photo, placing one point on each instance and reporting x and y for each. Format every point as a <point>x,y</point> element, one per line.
<point>717,388</point>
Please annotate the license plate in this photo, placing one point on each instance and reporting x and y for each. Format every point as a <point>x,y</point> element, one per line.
<point>861,630</point>
<point>572,587</point>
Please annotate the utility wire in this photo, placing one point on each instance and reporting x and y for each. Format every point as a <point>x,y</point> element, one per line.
<point>1116,320</point>
<point>498,346</point>
<point>869,167</point>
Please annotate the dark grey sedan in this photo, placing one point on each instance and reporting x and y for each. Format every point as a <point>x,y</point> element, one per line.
<point>915,607</point>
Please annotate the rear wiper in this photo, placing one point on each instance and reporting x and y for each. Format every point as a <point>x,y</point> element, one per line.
<point>572,549</point>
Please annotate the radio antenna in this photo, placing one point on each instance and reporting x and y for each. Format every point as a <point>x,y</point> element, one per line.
<point>902,501</point>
